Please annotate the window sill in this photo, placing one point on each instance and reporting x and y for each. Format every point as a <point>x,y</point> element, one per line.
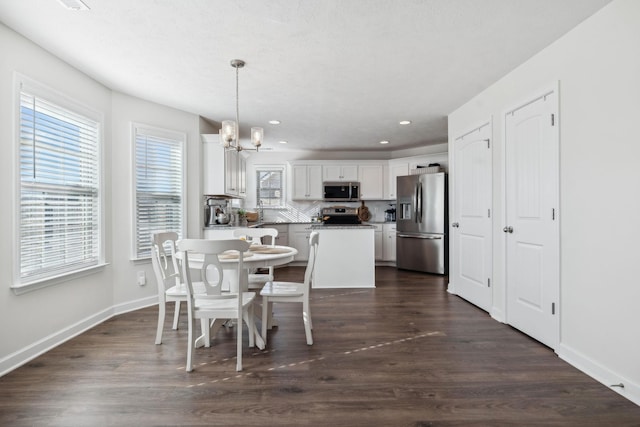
<point>23,288</point>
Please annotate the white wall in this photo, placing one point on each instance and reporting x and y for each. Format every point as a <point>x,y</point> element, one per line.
<point>36,321</point>
<point>127,109</point>
<point>598,67</point>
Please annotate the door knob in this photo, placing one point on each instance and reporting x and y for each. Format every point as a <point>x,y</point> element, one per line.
<point>455,225</point>
<point>508,229</point>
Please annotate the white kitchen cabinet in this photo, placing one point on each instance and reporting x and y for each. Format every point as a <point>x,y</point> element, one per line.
<point>396,169</point>
<point>299,239</point>
<point>223,170</point>
<point>282,239</point>
<point>242,175</point>
<point>340,172</point>
<point>371,181</point>
<point>389,242</point>
<point>345,258</point>
<point>378,240</point>
<point>306,182</point>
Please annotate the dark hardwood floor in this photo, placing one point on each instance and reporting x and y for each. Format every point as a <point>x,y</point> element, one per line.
<point>404,354</point>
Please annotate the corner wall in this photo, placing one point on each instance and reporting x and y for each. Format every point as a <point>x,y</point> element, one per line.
<point>597,66</point>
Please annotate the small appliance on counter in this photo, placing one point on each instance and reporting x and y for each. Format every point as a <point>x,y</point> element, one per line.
<point>215,212</point>
<point>340,215</point>
<point>390,214</point>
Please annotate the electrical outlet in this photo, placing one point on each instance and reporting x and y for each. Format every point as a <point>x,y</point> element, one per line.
<point>142,278</point>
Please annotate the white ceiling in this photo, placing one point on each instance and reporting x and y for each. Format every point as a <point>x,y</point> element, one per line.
<point>338,74</point>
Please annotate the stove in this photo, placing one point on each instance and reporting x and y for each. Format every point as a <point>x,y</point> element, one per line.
<point>340,215</point>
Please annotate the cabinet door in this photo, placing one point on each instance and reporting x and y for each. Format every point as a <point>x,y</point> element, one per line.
<point>340,172</point>
<point>301,243</point>
<point>370,177</point>
<point>349,172</point>
<point>231,172</point>
<point>395,170</point>
<point>242,176</point>
<point>212,165</point>
<point>389,243</point>
<point>299,182</point>
<point>377,236</point>
<point>314,182</point>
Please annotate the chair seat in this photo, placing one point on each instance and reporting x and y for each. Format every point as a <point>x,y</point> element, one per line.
<point>262,278</point>
<point>289,289</point>
<point>180,291</point>
<point>224,303</point>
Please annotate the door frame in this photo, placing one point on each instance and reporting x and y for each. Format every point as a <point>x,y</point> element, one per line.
<point>533,96</point>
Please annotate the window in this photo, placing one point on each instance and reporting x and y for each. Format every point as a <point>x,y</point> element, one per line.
<point>159,185</point>
<point>269,186</point>
<point>59,193</point>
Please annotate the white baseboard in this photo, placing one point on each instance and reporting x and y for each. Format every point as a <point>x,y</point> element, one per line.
<point>498,315</point>
<point>600,373</point>
<point>26,354</point>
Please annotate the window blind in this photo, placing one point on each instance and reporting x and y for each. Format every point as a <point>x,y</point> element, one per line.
<point>158,187</point>
<point>59,189</point>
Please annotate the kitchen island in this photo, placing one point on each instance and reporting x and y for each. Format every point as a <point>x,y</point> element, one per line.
<point>346,257</point>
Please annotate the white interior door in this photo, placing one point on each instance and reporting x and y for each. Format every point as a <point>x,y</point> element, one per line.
<point>471,219</point>
<point>531,219</point>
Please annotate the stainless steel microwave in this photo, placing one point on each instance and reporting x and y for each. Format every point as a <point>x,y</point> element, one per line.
<point>341,191</point>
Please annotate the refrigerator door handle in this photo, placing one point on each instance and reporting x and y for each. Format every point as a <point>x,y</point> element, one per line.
<point>413,236</point>
<point>419,206</point>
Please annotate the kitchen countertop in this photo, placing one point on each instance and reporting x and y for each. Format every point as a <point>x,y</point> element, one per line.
<point>320,225</point>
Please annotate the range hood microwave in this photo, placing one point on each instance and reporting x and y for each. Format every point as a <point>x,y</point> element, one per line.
<point>341,191</point>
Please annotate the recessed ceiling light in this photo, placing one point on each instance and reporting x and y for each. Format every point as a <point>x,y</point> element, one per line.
<point>282,142</point>
<point>74,4</point>
<point>274,122</point>
<point>384,142</point>
<point>405,122</point>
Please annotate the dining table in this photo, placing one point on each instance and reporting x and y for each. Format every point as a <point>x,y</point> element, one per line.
<point>258,256</point>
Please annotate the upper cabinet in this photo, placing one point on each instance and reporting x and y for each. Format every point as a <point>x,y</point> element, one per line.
<point>396,169</point>
<point>340,172</point>
<point>224,171</point>
<point>306,182</point>
<point>371,179</point>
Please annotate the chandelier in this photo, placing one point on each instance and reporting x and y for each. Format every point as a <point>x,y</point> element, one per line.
<point>230,132</point>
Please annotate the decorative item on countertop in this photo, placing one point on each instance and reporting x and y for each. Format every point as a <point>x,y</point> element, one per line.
<point>252,216</point>
<point>241,218</point>
<point>363,213</point>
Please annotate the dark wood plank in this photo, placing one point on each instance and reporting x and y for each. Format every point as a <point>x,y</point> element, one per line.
<point>404,354</point>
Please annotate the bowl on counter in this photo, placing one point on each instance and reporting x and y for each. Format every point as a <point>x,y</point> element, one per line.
<point>252,216</point>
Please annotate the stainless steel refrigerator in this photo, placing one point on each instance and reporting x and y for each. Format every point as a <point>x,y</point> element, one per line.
<point>421,220</point>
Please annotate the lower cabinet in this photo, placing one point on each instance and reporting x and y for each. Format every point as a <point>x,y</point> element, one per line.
<point>299,239</point>
<point>389,242</point>
<point>378,241</point>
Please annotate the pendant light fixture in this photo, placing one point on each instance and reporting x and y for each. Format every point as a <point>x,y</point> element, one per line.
<point>230,132</point>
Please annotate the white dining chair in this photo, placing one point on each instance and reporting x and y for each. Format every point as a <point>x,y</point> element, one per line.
<point>256,236</point>
<point>292,292</point>
<point>216,305</point>
<point>171,287</point>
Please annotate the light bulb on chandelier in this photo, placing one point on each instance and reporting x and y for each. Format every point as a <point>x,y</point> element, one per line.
<point>230,131</point>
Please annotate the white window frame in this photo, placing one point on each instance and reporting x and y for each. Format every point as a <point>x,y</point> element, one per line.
<point>283,197</point>
<point>60,274</point>
<point>152,131</point>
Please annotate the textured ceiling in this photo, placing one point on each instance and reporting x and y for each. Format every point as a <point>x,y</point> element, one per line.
<point>338,74</point>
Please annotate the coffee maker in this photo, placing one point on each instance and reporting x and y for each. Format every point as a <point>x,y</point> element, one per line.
<point>213,208</point>
<point>390,214</point>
